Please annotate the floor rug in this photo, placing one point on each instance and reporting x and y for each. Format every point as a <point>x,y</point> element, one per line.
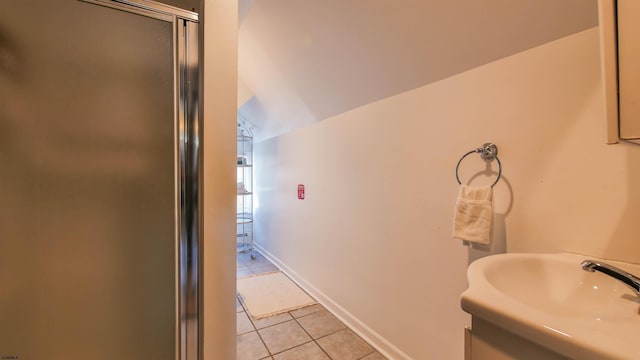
<point>271,294</point>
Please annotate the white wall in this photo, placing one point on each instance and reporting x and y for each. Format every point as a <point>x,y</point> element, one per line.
<point>220,79</point>
<point>373,239</point>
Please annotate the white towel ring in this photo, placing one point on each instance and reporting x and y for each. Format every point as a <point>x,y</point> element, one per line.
<point>487,152</point>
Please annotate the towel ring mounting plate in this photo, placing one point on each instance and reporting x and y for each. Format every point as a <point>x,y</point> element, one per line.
<point>487,152</point>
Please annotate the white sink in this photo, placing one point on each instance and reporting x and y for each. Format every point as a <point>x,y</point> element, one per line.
<point>549,300</point>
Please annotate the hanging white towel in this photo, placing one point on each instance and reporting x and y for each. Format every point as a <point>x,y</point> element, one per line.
<point>474,210</point>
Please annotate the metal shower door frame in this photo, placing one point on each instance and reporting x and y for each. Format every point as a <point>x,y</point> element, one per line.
<point>187,155</point>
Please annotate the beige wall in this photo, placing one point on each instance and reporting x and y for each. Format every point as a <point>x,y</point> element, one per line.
<point>191,5</point>
<point>220,79</point>
<point>310,60</point>
<point>372,240</point>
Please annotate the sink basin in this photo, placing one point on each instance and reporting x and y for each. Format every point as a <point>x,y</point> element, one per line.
<point>550,300</point>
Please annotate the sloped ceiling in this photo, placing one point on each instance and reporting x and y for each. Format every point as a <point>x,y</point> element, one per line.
<point>305,61</point>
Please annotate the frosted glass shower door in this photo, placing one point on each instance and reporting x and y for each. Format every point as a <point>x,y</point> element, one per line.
<point>89,182</point>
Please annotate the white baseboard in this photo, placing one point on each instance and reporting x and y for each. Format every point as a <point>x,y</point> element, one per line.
<point>369,335</point>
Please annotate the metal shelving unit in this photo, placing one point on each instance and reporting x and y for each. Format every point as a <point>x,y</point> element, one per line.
<point>244,213</point>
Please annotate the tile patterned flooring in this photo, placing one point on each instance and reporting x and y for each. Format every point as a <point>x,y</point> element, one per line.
<point>310,333</point>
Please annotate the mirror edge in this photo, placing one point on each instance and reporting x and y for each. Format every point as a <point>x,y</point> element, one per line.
<point>609,67</point>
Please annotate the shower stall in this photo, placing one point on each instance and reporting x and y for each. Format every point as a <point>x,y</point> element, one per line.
<point>99,180</point>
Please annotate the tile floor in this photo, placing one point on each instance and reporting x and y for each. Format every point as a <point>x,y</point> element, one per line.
<point>310,333</point>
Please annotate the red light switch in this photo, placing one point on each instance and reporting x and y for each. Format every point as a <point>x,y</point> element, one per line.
<point>301,191</point>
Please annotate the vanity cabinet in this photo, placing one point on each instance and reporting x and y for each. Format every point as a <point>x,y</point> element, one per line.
<point>485,341</point>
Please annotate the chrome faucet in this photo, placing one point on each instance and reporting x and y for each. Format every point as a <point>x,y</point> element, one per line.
<point>629,279</point>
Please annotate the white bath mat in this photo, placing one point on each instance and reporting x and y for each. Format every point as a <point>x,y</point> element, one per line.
<point>271,294</point>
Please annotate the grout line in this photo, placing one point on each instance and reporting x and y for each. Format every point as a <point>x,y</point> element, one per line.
<point>312,339</point>
<point>374,350</point>
<point>297,346</point>
<point>252,326</point>
<point>291,348</point>
<point>264,343</point>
